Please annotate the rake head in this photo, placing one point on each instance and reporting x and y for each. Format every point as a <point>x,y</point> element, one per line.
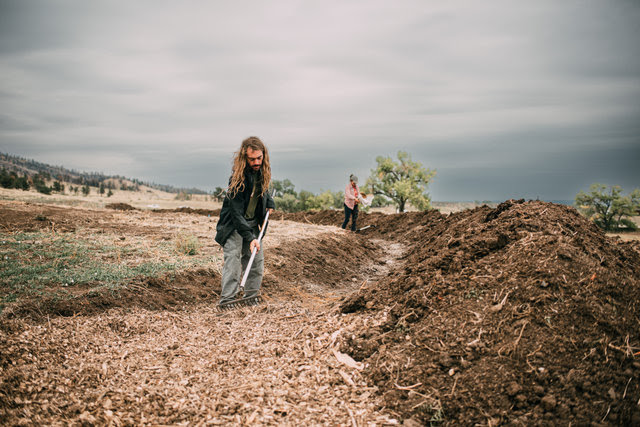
<point>239,303</point>
<point>365,227</point>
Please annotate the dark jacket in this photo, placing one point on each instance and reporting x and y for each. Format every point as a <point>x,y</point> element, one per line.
<point>233,210</point>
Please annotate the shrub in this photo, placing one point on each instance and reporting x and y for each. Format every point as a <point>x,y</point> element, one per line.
<point>187,243</point>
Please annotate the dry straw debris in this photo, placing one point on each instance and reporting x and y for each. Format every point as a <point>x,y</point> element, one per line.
<point>273,364</point>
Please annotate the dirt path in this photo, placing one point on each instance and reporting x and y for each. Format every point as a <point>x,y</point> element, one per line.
<point>275,364</point>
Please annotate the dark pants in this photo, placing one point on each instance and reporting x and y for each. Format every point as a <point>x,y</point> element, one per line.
<point>353,213</point>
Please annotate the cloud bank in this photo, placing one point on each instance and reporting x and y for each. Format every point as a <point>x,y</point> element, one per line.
<point>536,99</point>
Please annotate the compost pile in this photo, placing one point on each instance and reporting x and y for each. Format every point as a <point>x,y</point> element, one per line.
<point>525,313</point>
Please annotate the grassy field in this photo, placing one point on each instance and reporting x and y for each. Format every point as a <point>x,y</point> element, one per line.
<point>61,254</point>
<point>47,264</point>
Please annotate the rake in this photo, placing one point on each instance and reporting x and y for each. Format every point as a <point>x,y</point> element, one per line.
<point>246,301</point>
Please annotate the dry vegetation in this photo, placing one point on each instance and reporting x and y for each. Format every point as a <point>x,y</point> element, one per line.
<point>421,319</point>
<point>146,198</point>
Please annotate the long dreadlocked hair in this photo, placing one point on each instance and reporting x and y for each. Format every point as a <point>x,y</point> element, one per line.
<point>240,164</point>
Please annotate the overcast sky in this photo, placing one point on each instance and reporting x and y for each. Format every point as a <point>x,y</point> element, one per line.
<point>503,98</point>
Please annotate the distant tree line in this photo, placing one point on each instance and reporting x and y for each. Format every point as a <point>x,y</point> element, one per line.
<point>288,200</point>
<point>11,179</point>
<point>400,182</point>
<point>30,167</point>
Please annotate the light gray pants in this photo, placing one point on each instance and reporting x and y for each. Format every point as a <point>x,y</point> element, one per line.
<point>236,257</point>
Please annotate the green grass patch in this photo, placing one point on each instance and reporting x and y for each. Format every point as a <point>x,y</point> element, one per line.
<point>33,263</point>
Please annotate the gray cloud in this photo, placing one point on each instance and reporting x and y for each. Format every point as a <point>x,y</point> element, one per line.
<point>535,99</point>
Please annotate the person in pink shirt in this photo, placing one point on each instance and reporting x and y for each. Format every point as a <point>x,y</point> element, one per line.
<point>351,201</point>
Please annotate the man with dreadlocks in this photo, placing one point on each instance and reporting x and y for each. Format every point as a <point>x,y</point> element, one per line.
<point>243,212</point>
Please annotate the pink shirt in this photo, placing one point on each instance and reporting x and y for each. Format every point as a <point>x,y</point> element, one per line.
<point>350,195</point>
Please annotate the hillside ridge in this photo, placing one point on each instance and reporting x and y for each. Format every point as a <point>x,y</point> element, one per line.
<point>32,167</point>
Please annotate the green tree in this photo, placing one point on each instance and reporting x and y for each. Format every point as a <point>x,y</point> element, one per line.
<point>86,190</point>
<point>281,187</point>
<point>22,183</point>
<point>325,200</point>
<point>288,200</point>
<point>40,184</point>
<point>287,203</point>
<point>338,199</point>
<point>285,196</point>
<point>635,201</point>
<point>380,201</point>
<point>401,181</point>
<point>608,208</point>
<point>219,193</point>
<point>304,199</point>
<point>6,180</point>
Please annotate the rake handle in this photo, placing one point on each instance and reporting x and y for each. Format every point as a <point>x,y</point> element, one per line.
<point>253,253</point>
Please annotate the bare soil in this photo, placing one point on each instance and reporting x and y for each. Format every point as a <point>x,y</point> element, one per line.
<point>522,314</point>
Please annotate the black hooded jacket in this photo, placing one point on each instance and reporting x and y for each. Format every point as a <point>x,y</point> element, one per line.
<point>233,210</point>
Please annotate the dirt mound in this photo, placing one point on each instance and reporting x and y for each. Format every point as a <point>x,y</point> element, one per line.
<point>324,217</point>
<point>205,212</point>
<point>407,226</point>
<point>172,291</point>
<point>27,217</point>
<point>120,207</point>
<point>33,217</point>
<point>525,313</point>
